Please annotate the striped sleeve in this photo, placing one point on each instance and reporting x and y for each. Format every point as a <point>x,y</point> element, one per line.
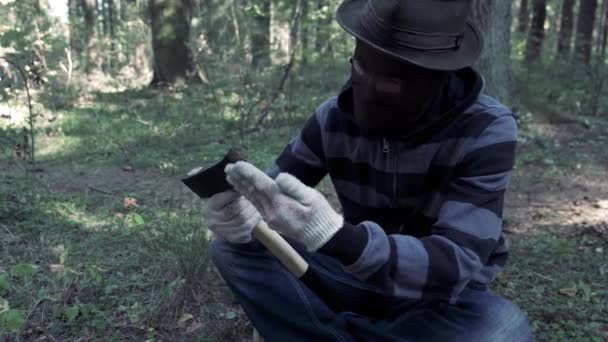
<point>467,231</point>
<point>304,157</point>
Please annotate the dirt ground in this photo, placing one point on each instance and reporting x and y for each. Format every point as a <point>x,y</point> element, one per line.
<point>574,199</point>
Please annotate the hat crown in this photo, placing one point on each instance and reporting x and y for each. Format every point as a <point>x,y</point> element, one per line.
<point>430,25</point>
<point>423,16</point>
<point>436,34</point>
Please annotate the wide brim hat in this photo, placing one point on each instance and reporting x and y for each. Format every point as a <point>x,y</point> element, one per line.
<point>430,37</point>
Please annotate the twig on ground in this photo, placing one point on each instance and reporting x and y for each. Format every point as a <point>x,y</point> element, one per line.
<point>28,317</point>
<point>101,191</point>
<point>543,276</point>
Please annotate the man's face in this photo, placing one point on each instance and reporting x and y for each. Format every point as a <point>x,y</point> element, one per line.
<point>389,93</point>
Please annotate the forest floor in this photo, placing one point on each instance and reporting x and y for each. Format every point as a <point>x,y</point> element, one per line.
<point>96,243</point>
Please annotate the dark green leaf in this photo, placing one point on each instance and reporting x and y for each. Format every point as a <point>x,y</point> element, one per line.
<point>72,312</point>
<point>5,282</point>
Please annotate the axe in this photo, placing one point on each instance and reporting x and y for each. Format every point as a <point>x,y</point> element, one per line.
<point>206,182</point>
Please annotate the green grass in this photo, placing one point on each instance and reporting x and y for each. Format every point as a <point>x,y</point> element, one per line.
<point>561,284</point>
<point>105,270</point>
<point>77,263</point>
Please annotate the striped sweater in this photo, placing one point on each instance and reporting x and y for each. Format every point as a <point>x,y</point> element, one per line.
<point>423,210</point>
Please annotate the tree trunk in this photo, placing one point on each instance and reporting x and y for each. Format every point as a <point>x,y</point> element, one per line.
<point>584,31</point>
<point>304,32</point>
<point>93,58</point>
<point>524,17</point>
<point>604,29</point>
<point>564,41</point>
<point>534,44</point>
<point>173,61</point>
<point>323,24</point>
<point>112,32</point>
<point>213,20</point>
<point>104,18</point>
<point>76,47</point>
<point>494,19</point>
<point>260,35</point>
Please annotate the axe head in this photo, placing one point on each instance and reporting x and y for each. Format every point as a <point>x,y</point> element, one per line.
<point>206,182</point>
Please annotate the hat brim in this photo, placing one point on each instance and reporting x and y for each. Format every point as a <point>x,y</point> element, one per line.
<point>466,55</point>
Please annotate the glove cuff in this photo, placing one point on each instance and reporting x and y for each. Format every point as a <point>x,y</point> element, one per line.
<point>321,229</point>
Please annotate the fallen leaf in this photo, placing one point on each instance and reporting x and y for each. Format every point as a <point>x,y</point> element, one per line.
<point>4,305</point>
<point>130,202</point>
<point>230,315</point>
<point>57,250</point>
<point>569,291</point>
<point>57,269</point>
<point>194,327</point>
<point>182,321</point>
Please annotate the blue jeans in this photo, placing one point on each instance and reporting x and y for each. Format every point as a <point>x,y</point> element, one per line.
<point>282,308</point>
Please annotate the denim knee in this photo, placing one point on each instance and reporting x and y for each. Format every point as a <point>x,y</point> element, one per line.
<point>504,321</point>
<point>228,257</point>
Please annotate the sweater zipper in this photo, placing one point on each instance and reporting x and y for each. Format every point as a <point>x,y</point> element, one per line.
<point>387,150</point>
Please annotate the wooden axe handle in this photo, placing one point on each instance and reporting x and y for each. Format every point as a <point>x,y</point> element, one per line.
<point>282,250</point>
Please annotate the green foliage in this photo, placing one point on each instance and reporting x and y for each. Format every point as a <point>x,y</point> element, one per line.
<point>24,271</point>
<point>72,312</point>
<point>180,242</point>
<point>60,95</point>
<point>5,282</point>
<point>10,319</point>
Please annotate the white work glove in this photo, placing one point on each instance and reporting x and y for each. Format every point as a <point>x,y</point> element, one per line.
<point>231,216</point>
<point>288,206</point>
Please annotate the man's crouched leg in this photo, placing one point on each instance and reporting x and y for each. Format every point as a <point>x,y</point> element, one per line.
<point>280,307</point>
<point>477,315</point>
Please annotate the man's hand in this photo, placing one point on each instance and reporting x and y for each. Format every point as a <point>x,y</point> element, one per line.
<point>288,206</point>
<point>231,216</point>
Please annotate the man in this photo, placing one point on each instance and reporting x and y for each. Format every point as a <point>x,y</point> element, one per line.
<point>420,159</point>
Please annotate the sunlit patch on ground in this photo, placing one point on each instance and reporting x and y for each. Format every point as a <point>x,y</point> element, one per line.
<point>12,116</point>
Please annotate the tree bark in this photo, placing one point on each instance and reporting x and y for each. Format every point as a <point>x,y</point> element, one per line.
<point>323,25</point>
<point>494,19</point>
<point>173,60</point>
<point>112,32</point>
<point>564,41</point>
<point>305,32</point>
<point>213,20</point>
<point>260,35</point>
<point>604,39</point>
<point>584,31</point>
<point>76,47</point>
<point>536,35</point>
<point>93,58</point>
<point>524,17</point>
<point>104,18</point>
